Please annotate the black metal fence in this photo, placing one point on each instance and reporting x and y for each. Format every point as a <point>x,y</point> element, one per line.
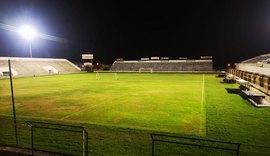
<point>198,146</point>
<point>58,138</point>
<point>113,141</point>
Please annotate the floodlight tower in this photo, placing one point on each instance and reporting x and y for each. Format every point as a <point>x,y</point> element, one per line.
<point>29,34</point>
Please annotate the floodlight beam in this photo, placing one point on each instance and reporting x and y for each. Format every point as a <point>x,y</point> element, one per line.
<point>37,34</point>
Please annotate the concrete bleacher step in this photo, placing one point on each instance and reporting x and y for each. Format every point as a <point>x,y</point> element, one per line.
<point>38,66</point>
<point>162,66</point>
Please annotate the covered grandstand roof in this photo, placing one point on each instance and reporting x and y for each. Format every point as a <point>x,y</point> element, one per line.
<point>260,58</point>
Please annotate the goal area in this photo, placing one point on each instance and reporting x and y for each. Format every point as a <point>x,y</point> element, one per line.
<point>146,70</point>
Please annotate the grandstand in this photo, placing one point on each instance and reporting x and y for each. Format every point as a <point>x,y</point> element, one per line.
<point>256,71</point>
<point>36,66</point>
<point>162,65</point>
<point>259,64</point>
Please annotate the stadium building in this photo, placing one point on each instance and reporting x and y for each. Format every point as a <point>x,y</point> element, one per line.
<point>256,71</point>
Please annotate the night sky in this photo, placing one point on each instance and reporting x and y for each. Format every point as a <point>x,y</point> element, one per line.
<point>229,30</point>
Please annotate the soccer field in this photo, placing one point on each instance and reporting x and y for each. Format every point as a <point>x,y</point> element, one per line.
<point>160,102</point>
<point>121,111</point>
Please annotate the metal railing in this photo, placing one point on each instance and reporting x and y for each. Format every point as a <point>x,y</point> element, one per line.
<point>198,142</point>
<point>58,127</point>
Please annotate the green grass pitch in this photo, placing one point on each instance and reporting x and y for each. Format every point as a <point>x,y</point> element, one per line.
<point>122,112</point>
<point>161,102</point>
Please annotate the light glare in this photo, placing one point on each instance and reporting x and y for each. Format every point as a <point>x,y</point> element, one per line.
<point>28,32</point>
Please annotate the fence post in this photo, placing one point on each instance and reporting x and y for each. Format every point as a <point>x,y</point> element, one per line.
<point>13,102</point>
<point>32,140</point>
<point>153,150</point>
<point>83,142</point>
<point>86,143</point>
<point>238,149</point>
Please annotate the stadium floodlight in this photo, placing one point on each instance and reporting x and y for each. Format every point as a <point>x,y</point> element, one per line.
<point>29,34</point>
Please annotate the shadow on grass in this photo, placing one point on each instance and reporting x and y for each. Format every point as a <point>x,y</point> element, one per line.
<point>233,91</point>
<point>236,91</point>
<point>228,82</point>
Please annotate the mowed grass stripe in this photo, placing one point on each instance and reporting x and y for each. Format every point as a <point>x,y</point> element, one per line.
<point>202,105</point>
<point>83,109</point>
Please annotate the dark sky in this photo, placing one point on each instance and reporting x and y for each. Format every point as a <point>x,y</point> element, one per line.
<point>229,30</point>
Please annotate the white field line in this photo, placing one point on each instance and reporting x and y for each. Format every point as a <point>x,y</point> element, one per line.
<point>84,109</point>
<point>38,118</point>
<point>26,116</point>
<point>202,105</point>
